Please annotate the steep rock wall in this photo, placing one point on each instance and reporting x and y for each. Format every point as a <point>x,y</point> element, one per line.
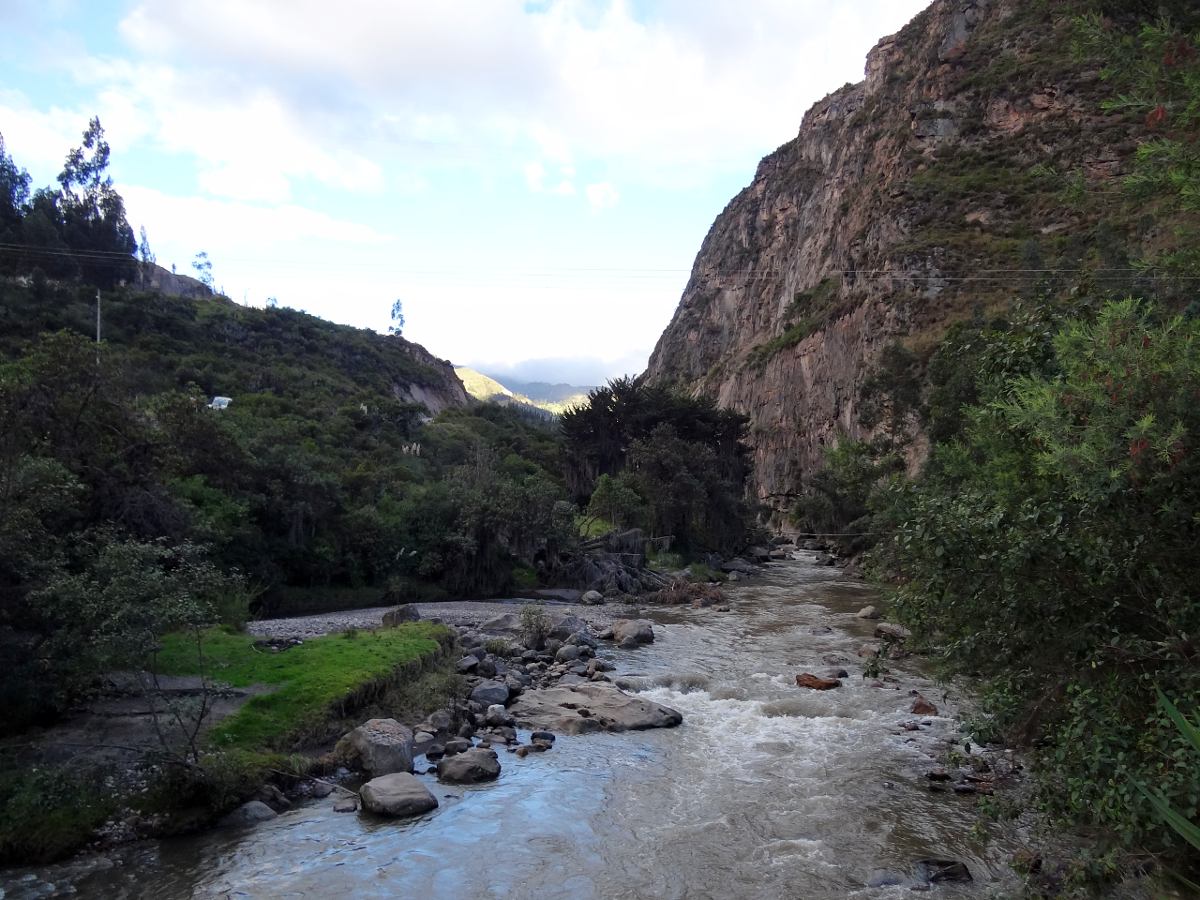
<point>904,203</point>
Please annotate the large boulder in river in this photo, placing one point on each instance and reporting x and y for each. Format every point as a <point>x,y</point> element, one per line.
<point>737,564</point>
<point>639,631</point>
<point>400,615</point>
<point>378,747</point>
<point>396,795</point>
<point>469,767</point>
<point>591,706</point>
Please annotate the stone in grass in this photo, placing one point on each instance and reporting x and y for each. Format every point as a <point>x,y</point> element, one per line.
<point>400,615</point>
<point>397,795</point>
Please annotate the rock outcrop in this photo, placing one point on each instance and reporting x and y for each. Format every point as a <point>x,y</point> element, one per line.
<point>583,708</point>
<point>905,202</point>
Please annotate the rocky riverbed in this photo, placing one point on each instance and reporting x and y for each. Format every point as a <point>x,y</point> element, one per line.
<point>759,786</point>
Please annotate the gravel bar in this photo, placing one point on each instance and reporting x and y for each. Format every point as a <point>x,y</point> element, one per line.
<point>462,612</point>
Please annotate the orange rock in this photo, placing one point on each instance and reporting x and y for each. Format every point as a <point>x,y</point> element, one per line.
<point>808,680</point>
<point>923,707</point>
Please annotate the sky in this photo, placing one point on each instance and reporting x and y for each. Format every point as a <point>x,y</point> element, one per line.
<point>532,180</point>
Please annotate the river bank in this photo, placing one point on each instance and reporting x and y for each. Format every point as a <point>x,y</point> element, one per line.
<point>765,789</point>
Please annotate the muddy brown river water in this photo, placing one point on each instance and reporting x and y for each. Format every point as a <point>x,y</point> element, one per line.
<point>767,790</point>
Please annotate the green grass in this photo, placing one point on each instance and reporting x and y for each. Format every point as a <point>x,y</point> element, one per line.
<point>310,679</point>
<point>593,526</point>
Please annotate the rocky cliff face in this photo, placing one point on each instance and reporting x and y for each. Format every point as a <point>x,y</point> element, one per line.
<point>905,202</point>
<point>437,387</point>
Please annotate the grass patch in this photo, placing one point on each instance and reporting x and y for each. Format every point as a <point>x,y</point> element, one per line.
<point>703,572</point>
<point>311,679</point>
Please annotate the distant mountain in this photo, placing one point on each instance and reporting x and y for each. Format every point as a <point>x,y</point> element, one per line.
<point>539,391</point>
<point>551,398</point>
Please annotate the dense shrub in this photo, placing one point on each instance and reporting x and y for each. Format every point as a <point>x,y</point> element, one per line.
<point>1051,548</point>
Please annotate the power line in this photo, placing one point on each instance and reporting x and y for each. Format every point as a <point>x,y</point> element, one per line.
<point>983,275</point>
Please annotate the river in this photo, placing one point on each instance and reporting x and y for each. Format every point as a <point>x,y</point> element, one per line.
<point>767,790</point>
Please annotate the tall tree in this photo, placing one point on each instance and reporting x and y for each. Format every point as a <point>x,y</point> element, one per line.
<point>93,213</point>
<point>14,197</point>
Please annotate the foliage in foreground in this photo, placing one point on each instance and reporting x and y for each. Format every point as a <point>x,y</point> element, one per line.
<point>1051,548</point>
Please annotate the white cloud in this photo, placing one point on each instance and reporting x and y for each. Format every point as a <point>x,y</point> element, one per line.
<point>692,88</point>
<point>602,195</point>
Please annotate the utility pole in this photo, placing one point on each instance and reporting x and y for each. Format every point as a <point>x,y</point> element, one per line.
<point>97,326</point>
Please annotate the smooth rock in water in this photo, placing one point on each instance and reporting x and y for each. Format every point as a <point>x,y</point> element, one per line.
<point>734,576</point>
<point>434,752</point>
<point>868,612</point>
<point>922,707</point>
<point>489,693</point>
<point>592,598</point>
<point>400,615</point>
<point>868,650</point>
<point>892,631</point>
<point>455,746</point>
<point>943,871</point>
<point>397,795</point>
<point>809,680</point>
<point>838,673</point>
<point>506,733</point>
<point>587,707</point>
<point>248,814</point>
<point>640,630</point>
<point>273,797</point>
<point>759,554</point>
<point>345,805</point>
<point>320,789</point>
<point>820,629</point>
<point>378,747</point>
<point>542,736</point>
<point>470,767</point>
